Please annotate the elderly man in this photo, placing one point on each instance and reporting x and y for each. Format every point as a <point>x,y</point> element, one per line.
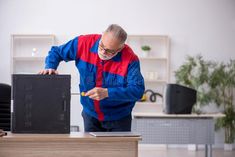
<point>110,78</point>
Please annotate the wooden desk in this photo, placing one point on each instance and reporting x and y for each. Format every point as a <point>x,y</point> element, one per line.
<point>67,145</point>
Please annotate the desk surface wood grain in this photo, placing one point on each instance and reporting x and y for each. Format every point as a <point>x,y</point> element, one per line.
<point>64,145</point>
<point>74,136</point>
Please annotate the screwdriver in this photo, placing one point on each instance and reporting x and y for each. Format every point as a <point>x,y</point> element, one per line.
<point>82,93</point>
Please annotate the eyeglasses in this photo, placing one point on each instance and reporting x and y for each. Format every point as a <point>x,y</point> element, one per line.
<point>107,51</point>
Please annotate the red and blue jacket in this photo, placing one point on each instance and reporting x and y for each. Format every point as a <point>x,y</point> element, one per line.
<point>120,75</point>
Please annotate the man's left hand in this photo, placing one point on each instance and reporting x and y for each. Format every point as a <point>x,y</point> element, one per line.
<point>97,93</point>
<point>2,133</point>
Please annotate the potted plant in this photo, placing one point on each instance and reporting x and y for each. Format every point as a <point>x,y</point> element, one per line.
<point>214,83</point>
<point>146,49</point>
<point>222,82</point>
<point>195,73</point>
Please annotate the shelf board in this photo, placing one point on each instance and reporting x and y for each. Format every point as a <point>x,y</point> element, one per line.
<point>33,36</point>
<point>29,58</point>
<point>147,36</point>
<point>75,93</point>
<point>153,58</point>
<point>148,103</point>
<point>155,81</point>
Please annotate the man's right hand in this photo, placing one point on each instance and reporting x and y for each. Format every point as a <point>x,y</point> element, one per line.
<point>48,72</point>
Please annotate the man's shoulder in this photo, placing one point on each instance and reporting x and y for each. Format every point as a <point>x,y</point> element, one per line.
<point>89,40</point>
<point>129,54</point>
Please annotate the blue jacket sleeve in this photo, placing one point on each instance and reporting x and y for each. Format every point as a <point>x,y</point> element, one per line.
<point>135,86</point>
<point>66,52</point>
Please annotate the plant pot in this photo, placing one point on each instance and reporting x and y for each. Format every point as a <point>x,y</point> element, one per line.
<point>145,53</point>
<point>228,146</point>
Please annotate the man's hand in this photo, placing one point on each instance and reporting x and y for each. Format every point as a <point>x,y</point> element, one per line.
<point>97,93</point>
<point>48,71</point>
<point>2,133</point>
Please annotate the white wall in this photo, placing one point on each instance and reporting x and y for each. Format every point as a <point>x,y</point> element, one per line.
<point>194,26</point>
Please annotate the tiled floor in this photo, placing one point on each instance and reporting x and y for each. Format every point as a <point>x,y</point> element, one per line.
<point>181,152</point>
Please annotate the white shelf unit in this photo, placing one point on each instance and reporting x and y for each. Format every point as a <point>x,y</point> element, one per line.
<point>29,58</point>
<point>23,62</point>
<point>155,67</point>
<point>28,52</point>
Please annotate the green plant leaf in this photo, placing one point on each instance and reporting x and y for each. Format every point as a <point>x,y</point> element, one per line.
<point>146,48</point>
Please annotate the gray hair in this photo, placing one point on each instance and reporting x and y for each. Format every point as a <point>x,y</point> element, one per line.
<point>118,32</point>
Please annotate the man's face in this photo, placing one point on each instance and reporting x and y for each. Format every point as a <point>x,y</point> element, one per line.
<point>108,46</point>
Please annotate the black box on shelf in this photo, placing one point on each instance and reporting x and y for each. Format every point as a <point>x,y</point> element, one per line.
<point>41,103</point>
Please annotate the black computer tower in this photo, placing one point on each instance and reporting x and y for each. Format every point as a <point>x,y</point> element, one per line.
<point>41,103</point>
<point>5,107</point>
